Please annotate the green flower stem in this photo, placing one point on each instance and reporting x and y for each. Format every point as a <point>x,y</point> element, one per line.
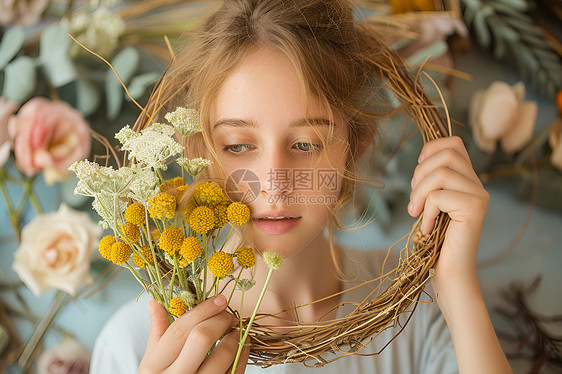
<point>226,239</point>
<point>206,248</point>
<point>173,277</point>
<point>247,330</point>
<point>234,287</point>
<point>29,189</point>
<point>14,215</point>
<point>152,250</point>
<point>58,303</point>
<point>197,283</point>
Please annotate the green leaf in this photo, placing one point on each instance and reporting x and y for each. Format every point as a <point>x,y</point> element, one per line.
<point>125,63</point>
<point>140,83</point>
<point>11,44</point>
<point>19,79</point>
<point>436,49</point>
<point>88,96</point>
<point>480,26</point>
<point>53,54</point>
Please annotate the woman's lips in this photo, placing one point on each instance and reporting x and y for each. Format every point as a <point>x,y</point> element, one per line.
<point>278,227</point>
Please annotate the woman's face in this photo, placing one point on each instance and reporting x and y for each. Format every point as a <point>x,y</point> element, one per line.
<point>266,143</point>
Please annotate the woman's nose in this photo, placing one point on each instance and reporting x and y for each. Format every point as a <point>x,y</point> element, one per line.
<point>277,173</point>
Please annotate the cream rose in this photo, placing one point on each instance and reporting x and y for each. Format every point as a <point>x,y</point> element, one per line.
<point>55,251</point>
<point>48,136</point>
<point>500,114</point>
<point>68,357</point>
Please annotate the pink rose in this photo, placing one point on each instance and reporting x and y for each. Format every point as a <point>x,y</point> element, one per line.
<point>25,12</point>
<point>48,136</point>
<point>499,114</point>
<point>55,251</point>
<point>7,108</point>
<point>68,357</point>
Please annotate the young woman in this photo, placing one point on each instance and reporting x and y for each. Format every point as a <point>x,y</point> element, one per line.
<point>286,86</point>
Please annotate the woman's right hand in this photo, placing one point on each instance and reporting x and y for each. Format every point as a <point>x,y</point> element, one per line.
<point>181,347</point>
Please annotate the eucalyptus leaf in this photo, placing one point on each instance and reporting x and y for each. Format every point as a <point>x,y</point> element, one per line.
<point>481,29</point>
<point>509,11</point>
<point>11,44</point>
<point>53,54</point>
<point>140,83</point>
<point>526,56</point>
<point>20,78</point>
<point>125,64</point>
<point>88,96</point>
<point>436,49</point>
<point>520,5</point>
<point>524,27</point>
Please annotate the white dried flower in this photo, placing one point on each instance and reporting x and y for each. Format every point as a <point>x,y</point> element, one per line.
<point>152,146</point>
<point>98,30</point>
<point>245,284</point>
<point>186,121</point>
<point>193,166</point>
<point>273,260</point>
<point>188,298</point>
<point>144,186</point>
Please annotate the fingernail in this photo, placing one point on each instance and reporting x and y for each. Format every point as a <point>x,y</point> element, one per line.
<point>220,300</point>
<point>410,207</point>
<point>413,182</point>
<point>421,158</point>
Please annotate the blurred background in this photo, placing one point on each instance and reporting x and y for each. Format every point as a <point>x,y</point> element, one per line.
<point>498,67</point>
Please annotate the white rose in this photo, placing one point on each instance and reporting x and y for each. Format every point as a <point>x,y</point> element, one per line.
<point>68,357</point>
<point>500,114</point>
<point>55,251</point>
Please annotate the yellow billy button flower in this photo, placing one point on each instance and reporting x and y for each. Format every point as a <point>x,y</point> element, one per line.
<point>177,306</point>
<point>208,194</point>
<point>191,249</point>
<point>220,215</point>
<point>245,257</point>
<point>147,253</point>
<point>155,235</point>
<point>162,206</point>
<point>238,213</point>
<point>220,264</point>
<point>171,240</point>
<point>202,219</point>
<point>172,183</point>
<point>130,232</point>
<point>105,246</point>
<point>135,214</point>
<point>120,253</point>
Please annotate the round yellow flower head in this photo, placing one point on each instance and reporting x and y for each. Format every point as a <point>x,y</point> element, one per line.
<point>135,214</point>
<point>191,249</point>
<point>245,257</point>
<point>221,215</point>
<point>130,232</point>
<point>171,240</point>
<point>182,262</point>
<point>172,183</point>
<point>162,206</point>
<point>120,252</point>
<point>273,260</point>
<point>189,206</point>
<point>177,306</point>
<point>238,213</point>
<point>209,194</point>
<point>147,253</point>
<point>105,246</point>
<point>202,219</point>
<point>220,264</point>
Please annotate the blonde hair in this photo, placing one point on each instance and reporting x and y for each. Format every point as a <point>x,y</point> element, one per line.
<point>339,61</point>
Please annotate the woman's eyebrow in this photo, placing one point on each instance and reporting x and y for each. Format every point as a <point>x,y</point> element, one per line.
<point>236,122</point>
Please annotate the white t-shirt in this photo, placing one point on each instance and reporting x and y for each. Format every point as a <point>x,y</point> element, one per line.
<point>424,346</point>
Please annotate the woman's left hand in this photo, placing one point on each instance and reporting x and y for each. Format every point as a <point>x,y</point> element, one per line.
<point>445,181</point>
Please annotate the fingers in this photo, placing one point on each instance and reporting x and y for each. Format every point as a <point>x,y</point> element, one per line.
<point>201,338</point>
<point>158,323</point>
<point>453,142</point>
<point>222,357</point>
<point>166,351</point>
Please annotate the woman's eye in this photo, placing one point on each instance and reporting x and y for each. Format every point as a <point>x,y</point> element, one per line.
<point>236,148</point>
<point>309,147</point>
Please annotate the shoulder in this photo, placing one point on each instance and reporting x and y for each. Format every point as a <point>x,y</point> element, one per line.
<point>121,343</point>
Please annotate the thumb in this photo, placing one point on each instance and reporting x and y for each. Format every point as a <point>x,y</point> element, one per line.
<point>158,322</point>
